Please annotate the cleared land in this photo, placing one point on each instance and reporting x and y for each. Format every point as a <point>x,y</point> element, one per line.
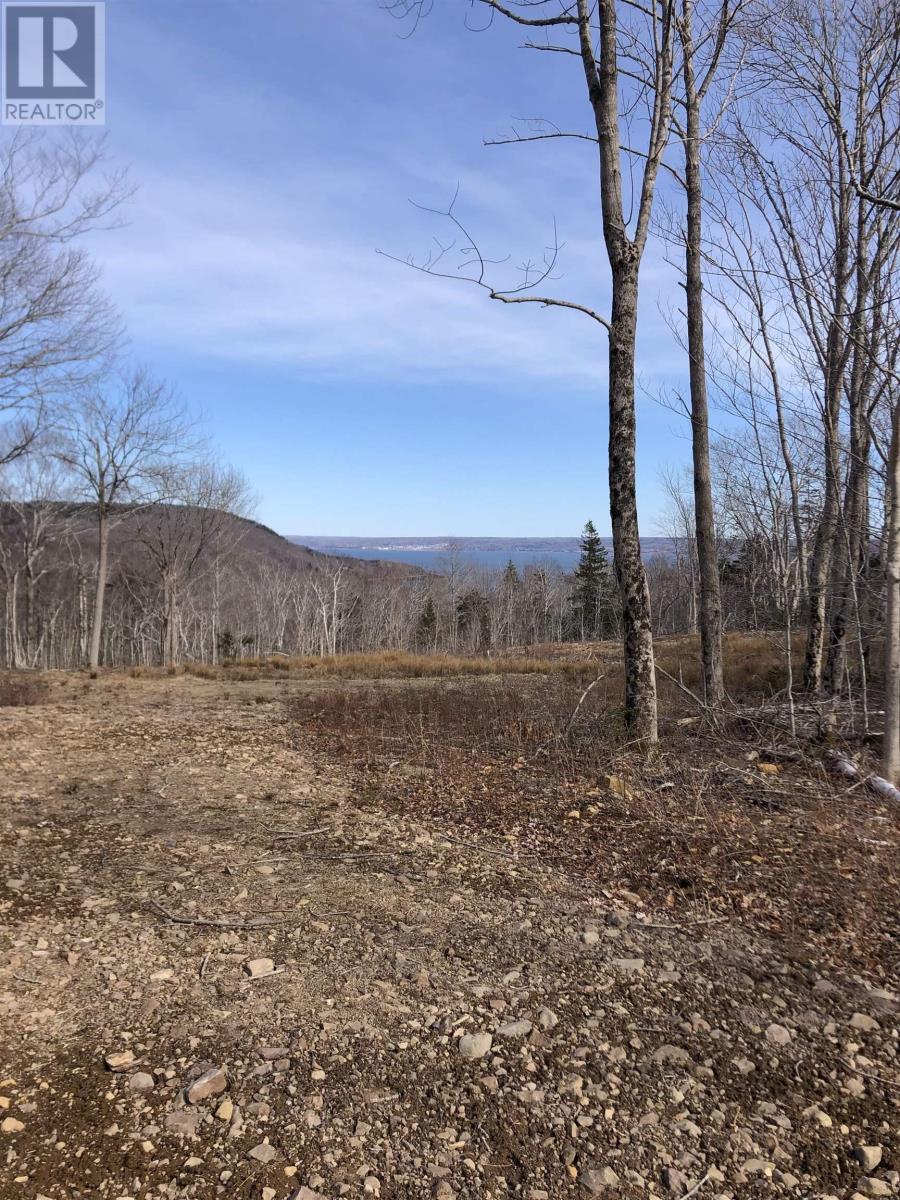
<point>508,961</point>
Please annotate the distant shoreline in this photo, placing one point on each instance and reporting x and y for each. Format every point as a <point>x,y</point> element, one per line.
<point>492,553</point>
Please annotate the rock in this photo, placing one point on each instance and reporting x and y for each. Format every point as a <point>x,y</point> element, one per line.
<point>475,1045</point>
<point>547,1019</point>
<point>868,1157</point>
<point>225,1111</point>
<point>629,966</point>
<point>193,1163</point>
<point>874,1187</point>
<point>305,1193</point>
<point>596,1180</point>
<point>141,1082</point>
<point>814,1113</point>
<point>121,1060</point>
<point>758,1166</point>
<point>676,1181</point>
<point>271,1053</point>
<point>210,1083</point>
<point>263,1153</point>
<point>778,1035</point>
<point>515,1029</point>
<point>11,1125</point>
<point>269,1193</point>
<point>182,1123</point>
<point>257,967</point>
<point>864,1023</point>
<point>163,974</point>
<point>672,1054</point>
<point>372,1185</point>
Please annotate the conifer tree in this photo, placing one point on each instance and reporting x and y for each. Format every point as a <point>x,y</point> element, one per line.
<point>591,598</point>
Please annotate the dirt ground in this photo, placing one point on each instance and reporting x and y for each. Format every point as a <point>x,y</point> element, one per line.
<point>227,969</point>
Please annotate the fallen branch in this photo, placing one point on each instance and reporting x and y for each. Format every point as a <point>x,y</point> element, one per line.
<point>842,765</point>
<point>581,700</point>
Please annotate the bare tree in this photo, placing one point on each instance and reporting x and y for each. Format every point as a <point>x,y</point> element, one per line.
<point>702,48</point>
<point>185,535</point>
<point>56,329</point>
<point>626,55</point>
<point>121,444</point>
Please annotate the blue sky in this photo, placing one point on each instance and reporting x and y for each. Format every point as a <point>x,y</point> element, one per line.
<point>275,146</point>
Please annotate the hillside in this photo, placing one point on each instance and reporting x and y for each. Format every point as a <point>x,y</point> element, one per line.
<point>63,523</point>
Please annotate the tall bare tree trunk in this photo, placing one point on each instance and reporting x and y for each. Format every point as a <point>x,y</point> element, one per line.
<point>707,557</point>
<point>624,254</point>
<point>100,593</point>
<point>890,753</point>
<point>640,676</point>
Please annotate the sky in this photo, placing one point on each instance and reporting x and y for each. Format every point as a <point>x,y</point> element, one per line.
<point>276,146</point>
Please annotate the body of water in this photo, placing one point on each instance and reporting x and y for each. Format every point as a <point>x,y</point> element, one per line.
<point>490,554</point>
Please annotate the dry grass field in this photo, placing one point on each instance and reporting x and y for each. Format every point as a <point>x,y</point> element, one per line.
<point>305,929</point>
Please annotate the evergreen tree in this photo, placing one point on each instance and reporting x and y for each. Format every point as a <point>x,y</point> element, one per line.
<point>592,598</point>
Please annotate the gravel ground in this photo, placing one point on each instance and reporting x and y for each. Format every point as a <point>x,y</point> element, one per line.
<point>224,973</point>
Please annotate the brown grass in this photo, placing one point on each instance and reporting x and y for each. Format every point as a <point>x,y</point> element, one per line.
<point>698,831</point>
<point>20,688</point>
<point>754,664</point>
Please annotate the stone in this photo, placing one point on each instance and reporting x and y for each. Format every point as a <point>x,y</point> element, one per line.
<point>210,1083</point>
<point>515,1029</point>
<point>263,1153</point>
<point>372,1185</point>
<point>874,1187</point>
<point>258,967</point>
<point>11,1125</point>
<point>272,1053</point>
<point>629,966</point>
<point>547,1019</point>
<point>305,1193</point>
<point>672,1054</point>
<point>121,1060</point>
<point>475,1045</point>
<point>182,1123</point>
<point>868,1157</point>
<point>596,1180</point>
<point>225,1111</point>
<point>778,1035</point>
<point>676,1181</point>
<point>864,1023</point>
<point>590,937</point>
<point>141,1082</point>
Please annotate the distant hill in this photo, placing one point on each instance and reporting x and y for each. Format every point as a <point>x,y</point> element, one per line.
<point>72,526</point>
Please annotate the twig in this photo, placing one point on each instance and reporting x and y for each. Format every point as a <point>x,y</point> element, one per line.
<point>204,964</point>
<point>178,919</point>
<point>697,1186</point>
<point>449,837</point>
<point>581,701</point>
<point>683,688</point>
<point>287,833</point>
